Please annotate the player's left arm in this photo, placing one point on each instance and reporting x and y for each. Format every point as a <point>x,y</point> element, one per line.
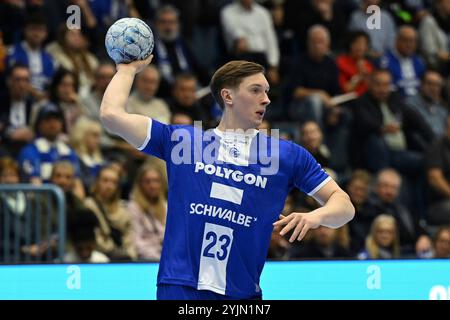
<point>336,211</point>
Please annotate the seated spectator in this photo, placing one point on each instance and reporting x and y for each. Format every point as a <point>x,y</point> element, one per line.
<point>17,207</point>
<point>113,235</point>
<point>31,53</point>
<point>387,132</point>
<point>405,65</point>
<point>70,52</point>
<point>37,158</point>
<point>381,39</point>
<point>353,66</point>
<point>85,140</point>
<point>358,188</point>
<point>385,199</point>
<point>441,243</point>
<point>16,111</point>
<point>148,207</point>
<point>181,118</point>
<point>245,42</point>
<point>428,103</point>
<point>312,93</point>
<point>172,53</point>
<point>92,99</point>
<point>311,138</point>
<point>143,100</point>
<point>63,176</point>
<point>438,173</point>
<point>383,240</point>
<point>82,240</point>
<point>324,244</point>
<point>434,31</point>
<point>184,99</point>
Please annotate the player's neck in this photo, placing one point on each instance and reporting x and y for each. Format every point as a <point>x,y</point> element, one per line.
<point>229,123</point>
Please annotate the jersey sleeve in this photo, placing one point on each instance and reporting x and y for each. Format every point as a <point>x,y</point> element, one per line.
<point>309,176</point>
<point>158,142</point>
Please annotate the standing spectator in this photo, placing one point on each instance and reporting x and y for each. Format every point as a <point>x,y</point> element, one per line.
<point>37,158</point>
<point>428,102</point>
<point>434,33</point>
<point>406,67</point>
<point>70,52</point>
<point>143,100</point>
<point>383,240</point>
<point>438,173</point>
<point>172,53</point>
<point>148,207</point>
<point>381,39</point>
<point>85,140</point>
<point>16,110</point>
<point>353,66</point>
<point>315,78</point>
<point>31,53</point>
<point>387,132</point>
<point>246,41</point>
<point>114,233</point>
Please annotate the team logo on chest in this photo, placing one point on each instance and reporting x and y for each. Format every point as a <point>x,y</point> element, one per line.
<point>234,152</point>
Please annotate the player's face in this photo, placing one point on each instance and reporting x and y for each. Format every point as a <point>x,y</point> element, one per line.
<point>250,100</point>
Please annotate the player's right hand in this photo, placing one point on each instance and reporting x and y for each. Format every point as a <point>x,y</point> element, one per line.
<point>135,66</point>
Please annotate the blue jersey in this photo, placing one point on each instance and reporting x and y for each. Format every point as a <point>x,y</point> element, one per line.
<point>220,213</point>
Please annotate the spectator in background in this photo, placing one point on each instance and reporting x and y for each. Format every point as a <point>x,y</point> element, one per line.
<point>245,41</point>
<point>181,118</point>
<point>385,199</point>
<point>12,17</point>
<point>82,240</point>
<point>37,158</point>
<point>381,39</point>
<point>405,65</point>
<point>441,243</point>
<point>387,132</point>
<point>428,102</point>
<point>358,188</point>
<point>64,176</point>
<point>434,31</point>
<point>383,240</point>
<point>353,66</point>
<point>172,53</point>
<point>70,52</point>
<point>143,100</point>
<point>311,138</point>
<point>91,100</point>
<point>438,173</point>
<point>314,79</point>
<point>184,99</point>
<point>16,110</point>
<point>325,243</point>
<point>114,233</point>
<point>85,140</point>
<point>148,207</point>
<point>31,53</point>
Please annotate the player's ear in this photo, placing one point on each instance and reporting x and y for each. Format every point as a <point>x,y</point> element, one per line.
<point>227,96</point>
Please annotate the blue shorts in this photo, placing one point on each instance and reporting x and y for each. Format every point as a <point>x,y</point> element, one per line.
<point>180,292</point>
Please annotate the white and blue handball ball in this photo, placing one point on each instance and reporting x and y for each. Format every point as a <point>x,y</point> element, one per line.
<point>129,39</point>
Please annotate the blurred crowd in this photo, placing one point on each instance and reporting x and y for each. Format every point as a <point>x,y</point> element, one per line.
<point>366,92</point>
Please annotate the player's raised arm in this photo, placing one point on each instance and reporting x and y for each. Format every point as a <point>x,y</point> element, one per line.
<point>131,127</point>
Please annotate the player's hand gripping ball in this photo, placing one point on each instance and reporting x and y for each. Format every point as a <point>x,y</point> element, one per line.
<point>129,39</point>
